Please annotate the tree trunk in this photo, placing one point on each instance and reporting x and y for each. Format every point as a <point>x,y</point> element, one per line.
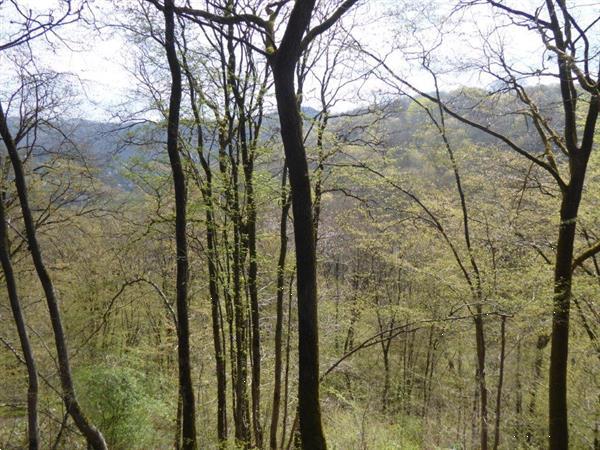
<point>213,270</point>
<point>183,333</point>
<point>219,345</point>
<point>92,435</point>
<point>308,342</point>
<point>542,342</point>
<point>563,274</point>
<point>285,207</point>
<point>250,231</point>
<point>518,397</point>
<point>15,305</point>
<point>286,376</point>
<point>500,381</point>
<point>483,394</point>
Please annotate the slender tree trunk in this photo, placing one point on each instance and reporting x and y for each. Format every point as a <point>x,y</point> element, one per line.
<point>385,400</point>
<point>428,363</point>
<point>518,397</point>
<point>321,126</point>
<point>250,229</point>
<point>219,345</point>
<point>474,413</point>
<point>213,270</point>
<point>483,393</point>
<point>285,207</point>
<point>286,375</point>
<point>243,434</point>
<point>92,435</point>
<point>15,305</point>
<point>189,440</point>
<point>500,381</point>
<point>541,344</point>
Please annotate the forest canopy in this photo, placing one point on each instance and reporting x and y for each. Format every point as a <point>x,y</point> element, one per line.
<point>310,224</point>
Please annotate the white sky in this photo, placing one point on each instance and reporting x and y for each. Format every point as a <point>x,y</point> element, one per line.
<point>100,59</point>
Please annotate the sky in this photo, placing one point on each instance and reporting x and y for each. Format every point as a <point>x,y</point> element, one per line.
<point>102,65</point>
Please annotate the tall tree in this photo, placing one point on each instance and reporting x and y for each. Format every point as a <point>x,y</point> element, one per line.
<point>92,434</point>
<point>17,311</point>
<point>186,391</point>
<point>568,38</point>
<point>27,25</point>
<point>283,57</point>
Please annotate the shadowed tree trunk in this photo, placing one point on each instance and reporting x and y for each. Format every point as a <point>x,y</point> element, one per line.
<point>15,305</point>
<point>541,344</point>
<point>188,432</point>
<point>283,60</point>
<point>285,207</point>
<point>308,342</point>
<point>92,435</point>
<point>500,381</point>
<point>213,271</point>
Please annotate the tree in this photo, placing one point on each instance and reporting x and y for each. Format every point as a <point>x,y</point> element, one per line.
<point>567,40</point>
<point>186,391</point>
<point>93,436</point>
<point>30,26</point>
<point>283,57</point>
<point>15,304</point>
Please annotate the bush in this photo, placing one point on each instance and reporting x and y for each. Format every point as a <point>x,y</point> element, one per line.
<point>118,402</point>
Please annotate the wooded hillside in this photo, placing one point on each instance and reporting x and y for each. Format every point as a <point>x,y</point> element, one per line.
<point>294,237</point>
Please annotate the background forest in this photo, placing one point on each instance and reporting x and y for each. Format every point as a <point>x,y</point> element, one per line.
<point>425,174</point>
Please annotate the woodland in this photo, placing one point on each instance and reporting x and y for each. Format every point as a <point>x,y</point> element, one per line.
<point>307,224</point>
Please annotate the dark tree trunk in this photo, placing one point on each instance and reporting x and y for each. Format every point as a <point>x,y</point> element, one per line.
<point>500,381</point>
<point>385,348</point>
<point>286,373</point>
<point>308,341</point>
<point>183,333</point>
<point>518,397</point>
<point>558,425</point>
<point>428,364</point>
<point>92,435</point>
<point>483,393</point>
<point>250,232</point>
<point>213,271</point>
<point>541,344</point>
<point>321,126</point>
<point>563,275</point>
<point>285,207</point>
<point>219,345</point>
<point>571,198</point>
<point>15,305</point>
<point>242,434</point>
<point>284,64</point>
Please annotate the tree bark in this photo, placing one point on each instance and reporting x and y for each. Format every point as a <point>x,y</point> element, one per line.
<point>480,375</point>
<point>92,435</point>
<point>213,271</point>
<point>500,381</point>
<point>308,341</point>
<point>250,231</point>
<point>283,65</point>
<point>15,305</point>
<point>285,207</point>
<point>563,276</point>
<point>183,332</point>
<point>558,425</point>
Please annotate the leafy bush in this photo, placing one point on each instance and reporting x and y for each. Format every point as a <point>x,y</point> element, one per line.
<point>118,401</point>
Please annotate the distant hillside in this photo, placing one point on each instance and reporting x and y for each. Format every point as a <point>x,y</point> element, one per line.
<point>109,146</point>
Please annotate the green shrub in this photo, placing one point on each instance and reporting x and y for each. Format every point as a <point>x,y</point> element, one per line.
<point>119,403</point>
